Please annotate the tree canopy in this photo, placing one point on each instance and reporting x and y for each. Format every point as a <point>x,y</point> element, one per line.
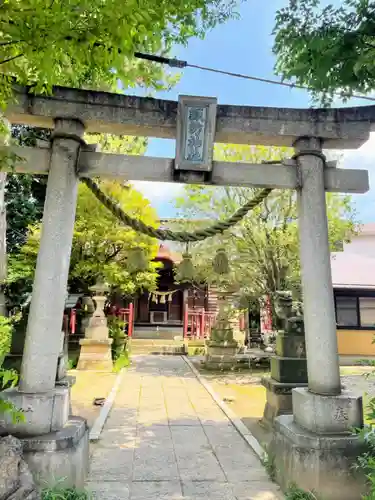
<point>263,249</point>
<point>330,48</point>
<point>101,244</point>
<point>91,43</point>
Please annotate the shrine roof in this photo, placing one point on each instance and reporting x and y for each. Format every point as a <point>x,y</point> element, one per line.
<point>164,253</point>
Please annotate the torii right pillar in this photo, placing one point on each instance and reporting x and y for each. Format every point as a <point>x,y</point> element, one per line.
<point>315,447</point>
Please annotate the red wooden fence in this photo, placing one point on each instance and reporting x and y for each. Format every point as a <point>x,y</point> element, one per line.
<point>127,315</point>
<point>69,322</point>
<point>197,323</point>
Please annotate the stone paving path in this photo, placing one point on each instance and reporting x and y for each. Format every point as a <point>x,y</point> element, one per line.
<point>166,438</point>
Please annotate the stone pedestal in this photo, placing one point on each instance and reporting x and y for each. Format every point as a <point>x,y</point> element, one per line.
<point>327,414</point>
<point>96,351</point>
<point>220,355</point>
<point>279,400</point>
<point>222,348</point>
<point>95,355</point>
<point>61,456</point>
<point>316,449</point>
<point>322,464</point>
<point>289,366</point>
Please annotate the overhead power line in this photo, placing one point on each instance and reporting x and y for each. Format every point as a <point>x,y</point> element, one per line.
<point>176,63</point>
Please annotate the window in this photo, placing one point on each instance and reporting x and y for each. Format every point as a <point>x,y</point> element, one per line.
<point>355,309</point>
<point>367,311</point>
<point>346,311</point>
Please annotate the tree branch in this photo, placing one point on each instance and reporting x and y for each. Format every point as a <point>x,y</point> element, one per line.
<point>11,58</point>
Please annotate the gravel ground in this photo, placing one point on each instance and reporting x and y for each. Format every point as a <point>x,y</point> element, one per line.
<point>359,383</point>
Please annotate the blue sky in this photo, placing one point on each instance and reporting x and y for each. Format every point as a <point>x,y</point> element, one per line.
<point>243,46</point>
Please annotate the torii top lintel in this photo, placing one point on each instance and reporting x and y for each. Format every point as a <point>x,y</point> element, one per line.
<point>344,128</point>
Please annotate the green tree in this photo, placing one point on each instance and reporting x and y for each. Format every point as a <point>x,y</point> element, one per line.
<point>91,43</point>
<point>24,194</point>
<point>328,48</point>
<point>101,244</point>
<point>263,247</point>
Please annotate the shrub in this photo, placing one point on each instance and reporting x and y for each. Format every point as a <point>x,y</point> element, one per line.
<point>5,337</point>
<point>117,333</point>
<point>64,494</point>
<point>8,378</point>
<point>366,462</point>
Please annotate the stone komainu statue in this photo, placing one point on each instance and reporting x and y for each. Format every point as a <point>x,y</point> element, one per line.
<point>290,312</point>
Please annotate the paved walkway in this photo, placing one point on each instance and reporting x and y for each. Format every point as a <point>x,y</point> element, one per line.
<point>166,438</point>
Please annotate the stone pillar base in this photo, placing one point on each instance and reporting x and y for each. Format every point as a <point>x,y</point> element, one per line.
<point>95,355</point>
<point>59,457</point>
<point>279,400</point>
<point>220,356</point>
<point>43,412</point>
<point>327,414</point>
<point>322,464</point>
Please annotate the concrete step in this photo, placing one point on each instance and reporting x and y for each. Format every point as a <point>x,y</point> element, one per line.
<point>158,334</point>
<point>157,346</point>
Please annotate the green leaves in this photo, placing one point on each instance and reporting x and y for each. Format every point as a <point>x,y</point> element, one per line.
<point>330,49</point>
<point>264,247</point>
<point>90,43</point>
<point>5,337</point>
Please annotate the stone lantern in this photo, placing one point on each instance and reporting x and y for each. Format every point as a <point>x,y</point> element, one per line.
<point>96,346</point>
<point>289,365</point>
<point>222,347</point>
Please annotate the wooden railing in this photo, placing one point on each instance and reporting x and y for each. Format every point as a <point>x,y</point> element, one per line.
<point>127,315</point>
<point>70,322</point>
<point>197,323</point>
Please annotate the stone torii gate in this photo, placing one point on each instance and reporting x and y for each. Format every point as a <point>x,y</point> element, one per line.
<point>319,412</point>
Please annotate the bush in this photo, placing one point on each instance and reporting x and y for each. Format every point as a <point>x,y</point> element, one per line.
<point>117,333</point>
<point>366,462</point>
<point>64,494</point>
<point>8,378</point>
<point>123,361</point>
<point>5,337</point>
<point>295,493</point>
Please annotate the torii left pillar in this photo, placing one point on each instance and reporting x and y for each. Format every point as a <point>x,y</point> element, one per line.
<point>46,404</point>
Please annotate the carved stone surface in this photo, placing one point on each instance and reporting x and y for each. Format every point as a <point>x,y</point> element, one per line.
<point>290,347</point>
<point>315,463</point>
<point>220,356</point>
<point>60,457</point>
<point>194,142</point>
<point>196,125</point>
<point>289,366</point>
<point>16,481</point>
<point>289,369</point>
<point>290,313</point>
<point>279,400</point>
